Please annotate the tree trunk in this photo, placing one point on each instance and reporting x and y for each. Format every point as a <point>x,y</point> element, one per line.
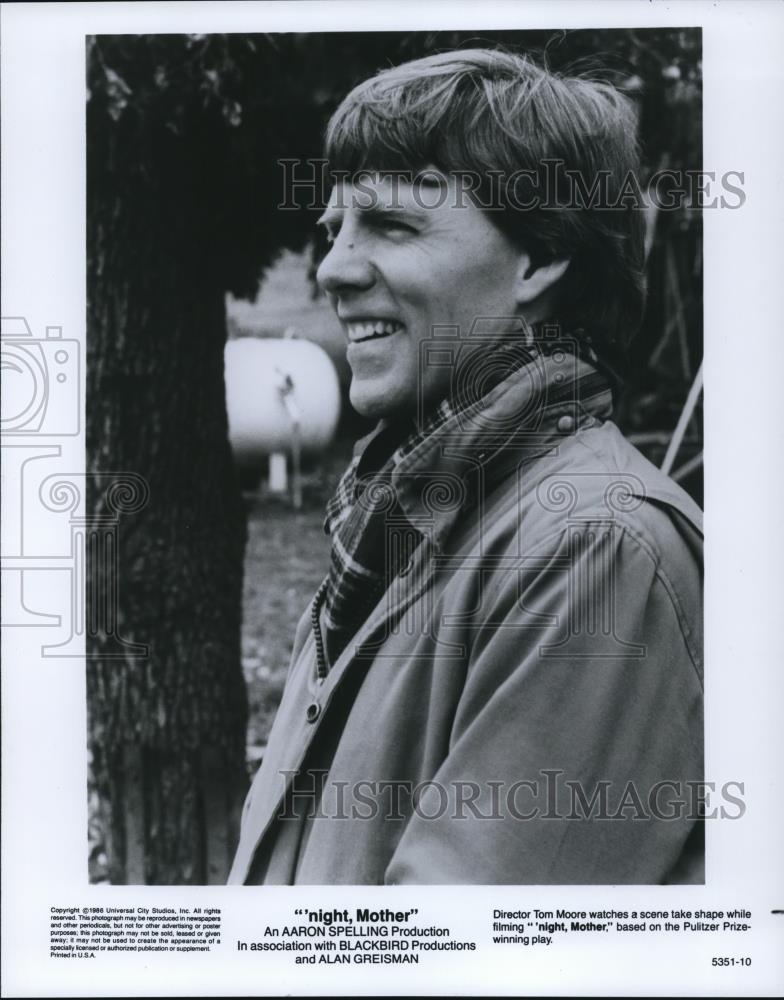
<point>166,698</point>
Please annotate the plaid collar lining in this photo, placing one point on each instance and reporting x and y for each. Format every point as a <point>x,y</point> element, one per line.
<point>378,514</point>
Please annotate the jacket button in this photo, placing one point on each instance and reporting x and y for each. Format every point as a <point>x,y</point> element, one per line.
<point>313,711</point>
<point>565,424</point>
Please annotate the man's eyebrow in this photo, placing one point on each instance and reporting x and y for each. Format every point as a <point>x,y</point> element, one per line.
<point>373,211</point>
<point>378,209</point>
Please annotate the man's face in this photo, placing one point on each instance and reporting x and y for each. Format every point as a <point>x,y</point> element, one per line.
<point>396,268</point>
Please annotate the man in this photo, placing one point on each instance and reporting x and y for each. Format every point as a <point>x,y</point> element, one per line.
<point>500,678</point>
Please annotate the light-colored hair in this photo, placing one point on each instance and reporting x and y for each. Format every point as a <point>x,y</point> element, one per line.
<point>494,114</point>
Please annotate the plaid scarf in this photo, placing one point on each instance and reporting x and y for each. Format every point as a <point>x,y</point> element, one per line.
<point>369,541</point>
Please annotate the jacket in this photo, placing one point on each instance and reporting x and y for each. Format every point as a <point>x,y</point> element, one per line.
<point>524,705</point>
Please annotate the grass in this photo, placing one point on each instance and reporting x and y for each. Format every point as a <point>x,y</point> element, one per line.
<point>287,557</point>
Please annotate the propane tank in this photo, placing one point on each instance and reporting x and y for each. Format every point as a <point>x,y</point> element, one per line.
<point>280,395</point>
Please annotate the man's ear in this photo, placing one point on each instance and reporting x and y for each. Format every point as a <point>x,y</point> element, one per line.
<point>533,282</point>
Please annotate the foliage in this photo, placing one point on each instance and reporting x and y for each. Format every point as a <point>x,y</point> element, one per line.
<point>218,111</point>
<point>202,120</point>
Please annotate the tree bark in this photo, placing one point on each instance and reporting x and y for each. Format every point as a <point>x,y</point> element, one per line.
<point>166,723</point>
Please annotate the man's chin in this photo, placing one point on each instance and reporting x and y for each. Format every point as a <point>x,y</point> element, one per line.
<point>374,403</point>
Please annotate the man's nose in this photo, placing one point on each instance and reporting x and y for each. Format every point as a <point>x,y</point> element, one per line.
<point>346,267</point>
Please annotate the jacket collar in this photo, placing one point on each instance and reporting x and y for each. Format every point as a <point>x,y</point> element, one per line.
<point>524,416</point>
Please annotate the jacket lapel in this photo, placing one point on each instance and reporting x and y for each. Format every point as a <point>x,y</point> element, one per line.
<point>293,734</point>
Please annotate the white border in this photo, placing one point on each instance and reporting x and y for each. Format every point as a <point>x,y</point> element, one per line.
<point>44,812</point>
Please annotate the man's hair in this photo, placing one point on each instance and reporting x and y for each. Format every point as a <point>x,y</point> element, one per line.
<point>492,114</point>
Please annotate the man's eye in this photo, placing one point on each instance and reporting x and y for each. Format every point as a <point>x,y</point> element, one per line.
<point>392,224</point>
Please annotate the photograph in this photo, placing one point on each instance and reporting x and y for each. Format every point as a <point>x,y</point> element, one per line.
<point>391,497</point>
<point>428,568</point>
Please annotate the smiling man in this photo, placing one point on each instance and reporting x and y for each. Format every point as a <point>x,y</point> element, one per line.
<point>500,678</point>
<point>407,264</point>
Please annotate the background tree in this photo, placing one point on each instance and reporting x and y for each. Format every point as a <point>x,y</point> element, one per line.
<point>184,134</point>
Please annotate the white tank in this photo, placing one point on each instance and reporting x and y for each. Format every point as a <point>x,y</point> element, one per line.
<point>273,386</point>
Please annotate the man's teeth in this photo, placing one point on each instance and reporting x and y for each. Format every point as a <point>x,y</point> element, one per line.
<point>379,328</point>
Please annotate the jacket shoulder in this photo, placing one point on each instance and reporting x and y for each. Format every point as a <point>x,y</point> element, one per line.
<point>597,475</point>
<point>597,506</point>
